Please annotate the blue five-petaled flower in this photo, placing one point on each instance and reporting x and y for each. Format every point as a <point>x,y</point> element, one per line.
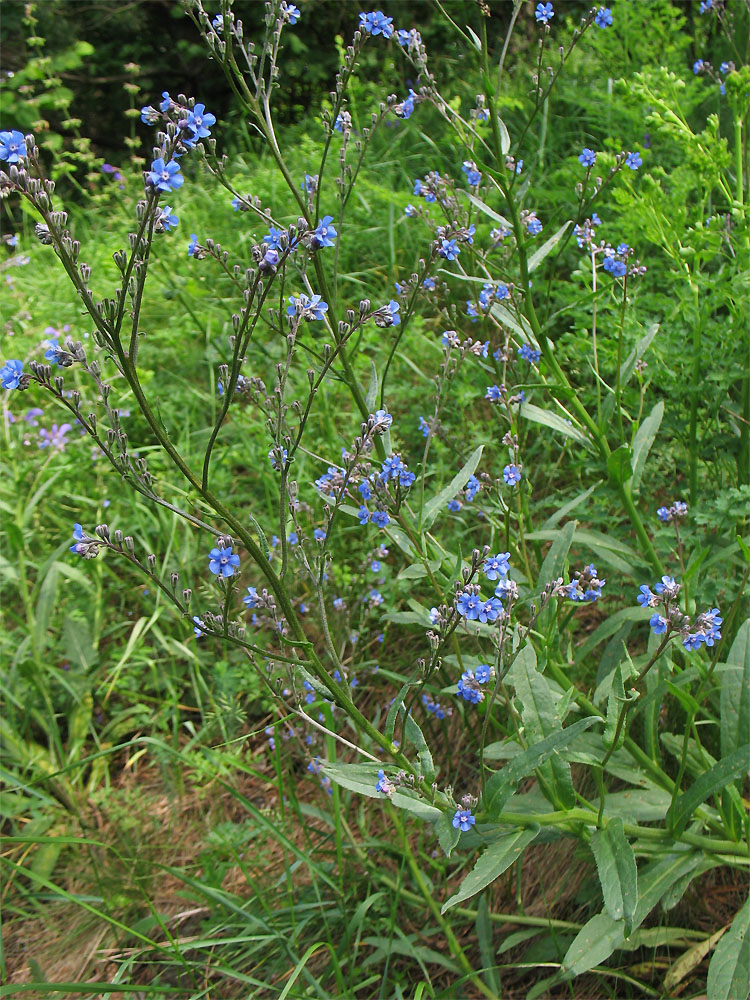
<point>223,562</point>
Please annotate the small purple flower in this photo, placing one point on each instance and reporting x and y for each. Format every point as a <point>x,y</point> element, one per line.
<point>633,160</point>
<point>319,535</point>
<point>223,562</point>
<point>587,158</point>
<point>512,475</point>
<point>463,820</point>
<point>324,233</point>
<point>449,249</point>
<point>658,624</point>
<point>309,308</point>
<point>380,518</point>
<point>497,566</point>
<point>165,176</point>
<point>363,514</point>
<point>384,786</point>
<point>376,23</point>
<point>533,226</point>
<point>12,146</point>
<point>11,374</point>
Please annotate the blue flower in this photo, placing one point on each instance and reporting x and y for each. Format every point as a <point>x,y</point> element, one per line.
<point>384,785</point>
<point>166,102</point>
<point>482,673</point>
<point>633,160</point>
<point>309,308</point>
<point>364,489</point>
<point>199,626</point>
<point>382,420</point>
<point>429,284</point>
<point>604,17</point>
<point>490,610</point>
<point>251,600</point>
<point>526,353</point>
<point>496,566</point>
<point>705,5</point>
<point>658,624</point>
<point>544,12</point>
<point>667,585</point>
<point>469,605</point>
<point>454,505</point>
<point>12,146</point>
<point>290,12</point>
<point>54,353</point>
<point>587,157</point>
<point>614,266</point>
<point>11,374</point>
<point>406,108</point>
<point>273,238</point>
<point>363,514</point>
<point>223,562</point>
<point>646,599</point>
<point>324,233</point>
<point>664,514</point>
<point>463,820</point>
<point>192,245</point>
<point>293,538</point>
<point>468,688</point>
<point>310,184</point>
<point>199,122</point>
<point>698,66</point>
<point>319,535</point>
<point>449,249</point>
<point>380,518</point>
<point>473,176</point>
<point>166,220</point>
<point>424,427</point>
<point>512,475</point>
<point>165,177</point>
<point>149,115</point>
<point>472,488</point>
<point>533,226</point>
<point>376,23</point>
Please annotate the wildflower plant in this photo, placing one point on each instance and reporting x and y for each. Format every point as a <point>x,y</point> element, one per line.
<point>495,617</point>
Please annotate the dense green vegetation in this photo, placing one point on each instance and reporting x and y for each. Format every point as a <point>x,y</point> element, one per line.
<point>188,799</point>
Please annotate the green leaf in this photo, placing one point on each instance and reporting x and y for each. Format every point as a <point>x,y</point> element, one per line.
<point>433,507</point>
<point>729,971</point>
<point>489,212</point>
<point>628,366</point>
<point>615,863</point>
<point>498,857</point>
<point>362,778</point>
<point>570,505</point>
<point>643,440</point>
<point>483,926</point>
<point>617,698</point>
<point>417,570</point>
<point>554,561</point>
<point>727,769</point>
<point>547,247</point>
<point>597,939</point>
<point>372,392</point>
<point>504,783</point>
<point>735,693</point>
<point>619,465</point>
<point>44,606</point>
<point>554,421</point>
<point>447,834</point>
<point>413,734</point>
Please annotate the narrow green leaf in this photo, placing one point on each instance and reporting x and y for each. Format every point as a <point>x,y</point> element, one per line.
<point>417,570</point>
<point>570,505</point>
<point>554,561</point>
<point>619,465</point>
<point>498,857</point>
<point>372,392</point>
<point>729,971</point>
<point>628,366</point>
<point>727,769</point>
<point>433,507</point>
<point>553,421</point>
<point>503,783</point>
<point>44,607</point>
<point>596,941</point>
<point>735,693</point>
<point>615,863</point>
<point>547,247</point>
<point>643,441</point>
<point>489,212</point>
<point>483,925</point>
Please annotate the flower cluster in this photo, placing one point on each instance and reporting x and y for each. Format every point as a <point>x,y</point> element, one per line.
<point>376,23</point>
<point>471,681</point>
<point>584,586</point>
<point>673,513</point>
<point>704,630</point>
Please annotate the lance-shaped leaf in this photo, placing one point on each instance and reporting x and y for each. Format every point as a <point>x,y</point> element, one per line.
<point>615,863</point>
<point>712,781</point>
<point>498,857</point>
<point>433,507</point>
<point>729,971</point>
